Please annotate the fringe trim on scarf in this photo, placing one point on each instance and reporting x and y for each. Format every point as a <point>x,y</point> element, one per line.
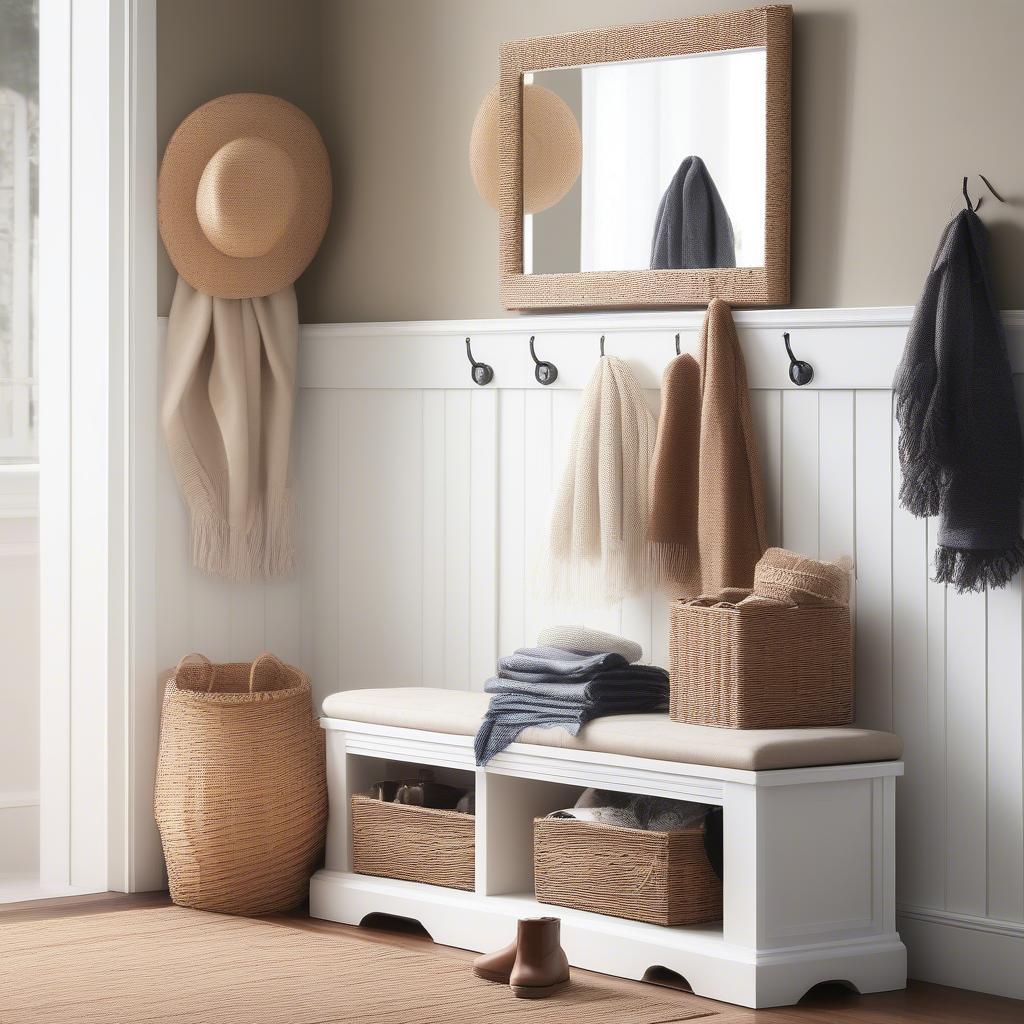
<point>598,549</point>
<point>264,549</point>
<point>676,565</point>
<point>973,571</point>
<point>598,580</point>
<point>922,481</point>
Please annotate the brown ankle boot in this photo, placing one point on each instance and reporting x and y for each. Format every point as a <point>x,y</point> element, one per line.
<point>496,966</point>
<point>540,968</point>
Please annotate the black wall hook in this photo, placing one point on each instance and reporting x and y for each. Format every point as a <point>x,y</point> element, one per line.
<point>602,344</point>
<point>967,198</point>
<point>545,372</point>
<point>482,373</point>
<point>678,353</point>
<point>800,372</point>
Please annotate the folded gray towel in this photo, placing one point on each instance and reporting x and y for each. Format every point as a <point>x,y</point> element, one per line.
<point>554,661</point>
<point>547,687</point>
<point>631,683</point>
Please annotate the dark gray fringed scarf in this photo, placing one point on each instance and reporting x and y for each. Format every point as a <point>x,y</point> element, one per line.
<point>960,441</point>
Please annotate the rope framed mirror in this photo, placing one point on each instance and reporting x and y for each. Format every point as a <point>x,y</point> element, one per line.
<point>648,165</point>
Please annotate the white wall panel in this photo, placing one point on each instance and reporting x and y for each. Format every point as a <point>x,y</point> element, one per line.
<point>966,760</point>
<point>319,508</point>
<point>873,554</point>
<point>766,414</point>
<point>380,488</point>
<point>1005,746</point>
<point>512,540</point>
<point>930,842</point>
<point>910,555</point>
<point>282,633</point>
<point>432,447</point>
<point>837,496</point>
<point>1005,762</point>
<point>457,537</point>
<point>541,465</point>
<point>483,536</point>
<point>800,471</point>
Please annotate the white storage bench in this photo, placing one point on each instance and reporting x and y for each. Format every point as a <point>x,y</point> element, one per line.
<point>808,840</point>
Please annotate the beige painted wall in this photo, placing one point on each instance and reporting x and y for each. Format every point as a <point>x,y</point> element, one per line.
<point>894,100</point>
<point>206,48</point>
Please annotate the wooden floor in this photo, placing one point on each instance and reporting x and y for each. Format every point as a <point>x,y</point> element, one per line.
<point>920,1003</point>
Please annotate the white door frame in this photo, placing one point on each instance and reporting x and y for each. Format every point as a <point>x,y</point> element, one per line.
<point>97,356</point>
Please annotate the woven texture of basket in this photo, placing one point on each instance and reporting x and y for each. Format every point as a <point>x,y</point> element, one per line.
<point>658,877</point>
<point>761,665</point>
<point>416,844</point>
<point>241,791</point>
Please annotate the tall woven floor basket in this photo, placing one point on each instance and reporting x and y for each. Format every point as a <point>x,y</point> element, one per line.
<point>241,792</point>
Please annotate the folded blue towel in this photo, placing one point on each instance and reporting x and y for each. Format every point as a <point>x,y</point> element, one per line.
<point>550,688</point>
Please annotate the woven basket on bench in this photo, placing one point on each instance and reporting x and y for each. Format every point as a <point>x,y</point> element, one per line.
<point>658,877</point>
<point>760,666</point>
<point>417,844</point>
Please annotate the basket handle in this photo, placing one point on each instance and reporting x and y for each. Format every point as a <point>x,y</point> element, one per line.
<point>205,661</point>
<point>264,657</point>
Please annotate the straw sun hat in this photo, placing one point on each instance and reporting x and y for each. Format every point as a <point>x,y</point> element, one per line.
<point>552,148</point>
<point>244,195</point>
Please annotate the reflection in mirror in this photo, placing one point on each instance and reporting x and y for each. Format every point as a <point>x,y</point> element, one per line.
<point>673,166</point>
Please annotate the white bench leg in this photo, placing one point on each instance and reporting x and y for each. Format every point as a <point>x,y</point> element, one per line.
<point>809,885</point>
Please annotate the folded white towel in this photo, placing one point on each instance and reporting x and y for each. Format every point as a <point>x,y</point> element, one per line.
<point>589,641</point>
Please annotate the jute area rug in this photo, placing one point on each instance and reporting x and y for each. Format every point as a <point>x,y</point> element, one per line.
<point>179,966</point>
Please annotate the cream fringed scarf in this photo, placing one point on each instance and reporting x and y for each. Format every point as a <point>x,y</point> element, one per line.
<point>598,547</point>
<point>228,393</point>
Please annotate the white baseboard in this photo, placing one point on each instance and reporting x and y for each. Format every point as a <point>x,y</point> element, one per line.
<point>981,954</point>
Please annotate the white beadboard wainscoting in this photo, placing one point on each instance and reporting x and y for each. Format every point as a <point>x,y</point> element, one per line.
<point>424,498</point>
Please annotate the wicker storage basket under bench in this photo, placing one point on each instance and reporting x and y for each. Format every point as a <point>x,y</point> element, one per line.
<point>760,666</point>
<point>658,877</point>
<point>416,844</point>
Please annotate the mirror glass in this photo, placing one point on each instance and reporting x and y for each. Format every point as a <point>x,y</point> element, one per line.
<point>661,164</point>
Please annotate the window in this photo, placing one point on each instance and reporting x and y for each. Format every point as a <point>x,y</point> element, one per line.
<point>19,233</point>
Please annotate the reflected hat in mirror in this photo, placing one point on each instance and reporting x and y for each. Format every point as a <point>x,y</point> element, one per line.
<point>552,148</point>
<point>244,195</point>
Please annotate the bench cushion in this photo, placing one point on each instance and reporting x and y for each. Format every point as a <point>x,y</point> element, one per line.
<point>458,712</point>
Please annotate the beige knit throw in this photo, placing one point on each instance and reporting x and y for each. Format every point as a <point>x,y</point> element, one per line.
<point>675,478</point>
<point>598,546</point>
<point>731,535</point>
<point>228,394</point>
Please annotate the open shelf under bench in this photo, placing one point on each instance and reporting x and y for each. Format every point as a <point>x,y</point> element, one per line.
<point>808,870</point>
